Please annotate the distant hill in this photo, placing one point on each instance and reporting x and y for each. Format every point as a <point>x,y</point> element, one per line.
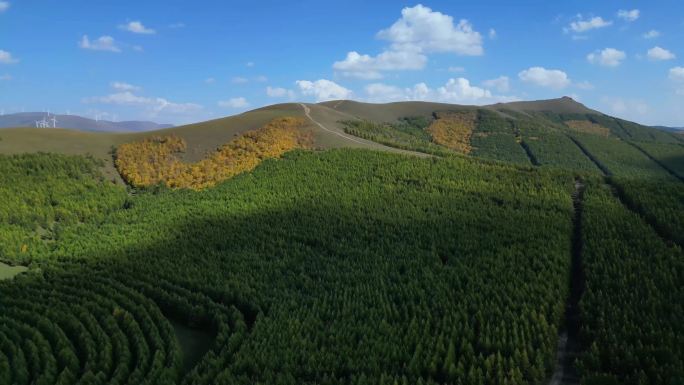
<point>28,119</point>
<point>676,130</point>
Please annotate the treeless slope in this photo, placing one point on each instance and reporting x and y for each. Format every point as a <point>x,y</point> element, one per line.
<point>389,112</point>
<point>564,105</point>
<point>329,132</point>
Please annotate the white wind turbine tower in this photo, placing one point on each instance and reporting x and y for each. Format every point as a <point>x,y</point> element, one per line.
<point>54,121</point>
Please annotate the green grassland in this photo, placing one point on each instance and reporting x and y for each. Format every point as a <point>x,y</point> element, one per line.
<point>7,271</point>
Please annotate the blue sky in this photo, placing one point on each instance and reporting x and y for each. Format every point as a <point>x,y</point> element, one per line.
<point>184,61</point>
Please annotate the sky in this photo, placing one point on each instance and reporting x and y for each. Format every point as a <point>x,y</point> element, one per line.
<point>178,61</point>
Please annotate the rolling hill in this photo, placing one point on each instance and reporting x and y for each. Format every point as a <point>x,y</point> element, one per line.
<point>511,130</point>
<point>506,244</point>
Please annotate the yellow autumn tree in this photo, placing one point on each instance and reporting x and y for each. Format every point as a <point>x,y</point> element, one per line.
<point>154,160</point>
<point>453,130</point>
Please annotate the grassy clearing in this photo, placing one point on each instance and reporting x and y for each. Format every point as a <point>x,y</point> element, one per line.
<point>7,271</point>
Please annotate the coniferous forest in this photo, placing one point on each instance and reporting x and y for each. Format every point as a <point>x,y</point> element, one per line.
<point>350,266</point>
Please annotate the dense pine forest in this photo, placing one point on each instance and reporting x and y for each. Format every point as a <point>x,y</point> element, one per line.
<point>351,266</point>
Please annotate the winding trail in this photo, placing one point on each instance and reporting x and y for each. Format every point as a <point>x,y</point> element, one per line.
<point>568,342</point>
<point>366,143</point>
<point>307,112</point>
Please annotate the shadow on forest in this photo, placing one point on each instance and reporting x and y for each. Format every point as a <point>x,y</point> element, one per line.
<point>306,248</point>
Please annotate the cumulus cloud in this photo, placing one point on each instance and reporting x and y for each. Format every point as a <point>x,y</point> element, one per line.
<point>279,92</point>
<point>7,58</point>
<point>657,53</point>
<point>582,25</point>
<point>630,15</point>
<point>261,79</point>
<point>103,43</point>
<point>501,84</point>
<point>492,33</point>
<point>137,27</point>
<point>418,32</point>
<point>239,80</point>
<point>542,77</point>
<point>652,34</point>
<point>421,28</point>
<point>323,90</point>
<point>121,86</point>
<point>239,102</point>
<point>4,5</point>
<point>608,57</point>
<point>458,90</point>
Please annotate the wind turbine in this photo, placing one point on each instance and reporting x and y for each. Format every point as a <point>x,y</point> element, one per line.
<point>54,121</point>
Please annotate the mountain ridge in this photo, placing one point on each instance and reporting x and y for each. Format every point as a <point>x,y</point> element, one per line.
<point>77,122</point>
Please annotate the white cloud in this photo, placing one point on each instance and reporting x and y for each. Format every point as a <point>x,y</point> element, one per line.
<point>456,69</point>
<point>608,57</point>
<point>628,15</point>
<point>677,76</point>
<point>261,79</point>
<point>383,93</point>
<point>103,43</point>
<point>234,103</point>
<point>153,105</point>
<point>239,80</point>
<point>323,90</point>
<point>279,92</point>
<point>4,5</point>
<point>626,107</point>
<point>421,28</point>
<point>652,34</point>
<point>457,90</point>
<point>5,77</point>
<point>658,53</point>
<point>210,80</point>
<point>419,31</point>
<point>138,48</point>
<point>585,85</point>
<point>137,27</point>
<point>501,84</point>
<point>540,76</point>
<point>460,90</point>
<point>583,25</point>
<point>492,33</point>
<point>177,25</point>
<point>249,64</point>
<point>121,86</point>
<point>7,58</point>
<point>367,67</point>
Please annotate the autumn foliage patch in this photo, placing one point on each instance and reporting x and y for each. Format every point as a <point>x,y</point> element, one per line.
<point>155,160</point>
<point>453,130</point>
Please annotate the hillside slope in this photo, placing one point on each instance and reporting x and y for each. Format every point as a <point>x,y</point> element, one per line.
<point>534,132</point>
